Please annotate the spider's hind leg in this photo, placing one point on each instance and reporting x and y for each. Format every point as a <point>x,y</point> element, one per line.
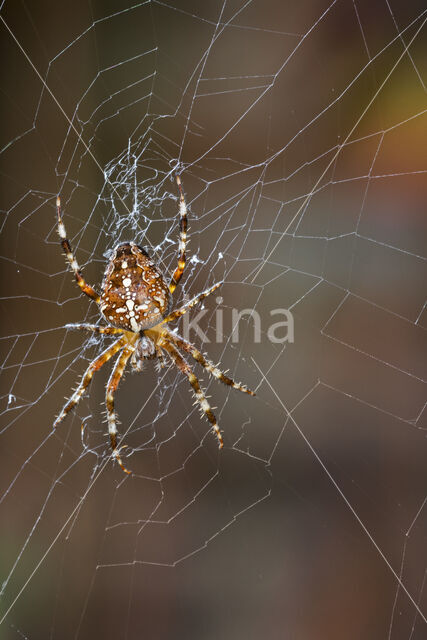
<point>94,328</point>
<point>182,239</point>
<point>66,247</point>
<point>189,305</point>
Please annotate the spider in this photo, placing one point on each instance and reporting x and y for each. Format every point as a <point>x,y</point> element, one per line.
<point>136,304</point>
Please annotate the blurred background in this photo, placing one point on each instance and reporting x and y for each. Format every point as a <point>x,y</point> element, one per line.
<point>299,133</point>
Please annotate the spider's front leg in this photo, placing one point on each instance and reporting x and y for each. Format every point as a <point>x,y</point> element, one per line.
<point>207,364</point>
<point>112,385</point>
<point>183,366</point>
<point>94,366</point>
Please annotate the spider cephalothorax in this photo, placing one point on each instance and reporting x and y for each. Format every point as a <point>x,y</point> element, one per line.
<point>136,303</point>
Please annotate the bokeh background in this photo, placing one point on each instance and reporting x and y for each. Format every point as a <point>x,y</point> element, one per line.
<point>299,132</point>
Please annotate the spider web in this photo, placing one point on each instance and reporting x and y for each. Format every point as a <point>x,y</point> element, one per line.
<point>298,130</point>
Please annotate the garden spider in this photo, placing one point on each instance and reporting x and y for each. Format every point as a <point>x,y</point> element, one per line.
<point>136,303</point>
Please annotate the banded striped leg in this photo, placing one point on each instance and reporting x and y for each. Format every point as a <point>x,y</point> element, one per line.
<point>93,327</point>
<point>112,385</point>
<point>180,312</point>
<point>66,247</point>
<point>160,358</point>
<point>182,238</point>
<point>206,363</point>
<point>183,366</point>
<point>87,378</point>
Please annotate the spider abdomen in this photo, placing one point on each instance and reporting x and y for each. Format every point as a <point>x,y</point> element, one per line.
<point>134,295</point>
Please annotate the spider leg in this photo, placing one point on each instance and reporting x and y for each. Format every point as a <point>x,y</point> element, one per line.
<point>112,385</point>
<point>206,363</point>
<point>66,247</point>
<point>87,378</point>
<point>93,327</point>
<point>183,366</point>
<point>180,312</point>
<point>182,238</point>
<point>160,358</point>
